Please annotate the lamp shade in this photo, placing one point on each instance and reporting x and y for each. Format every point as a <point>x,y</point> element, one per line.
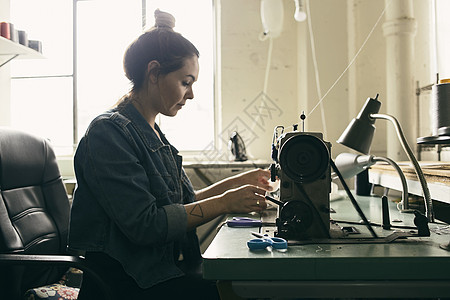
<point>350,164</point>
<point>359,133</point>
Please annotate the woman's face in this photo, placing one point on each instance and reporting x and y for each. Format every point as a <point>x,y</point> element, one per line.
<point>176,87</point>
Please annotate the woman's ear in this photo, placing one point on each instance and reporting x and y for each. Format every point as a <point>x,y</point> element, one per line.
<point>153,71</point>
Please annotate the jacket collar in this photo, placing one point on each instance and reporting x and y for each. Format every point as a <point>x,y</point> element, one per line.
<point>145,129</point>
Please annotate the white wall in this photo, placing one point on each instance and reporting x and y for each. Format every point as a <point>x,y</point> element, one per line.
<point>340,27</point>
<point>244,59</point>
<point>292,83</point>
<point>329,27</point>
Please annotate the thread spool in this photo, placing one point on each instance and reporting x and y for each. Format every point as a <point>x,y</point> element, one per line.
<point>440,108</point>
<point>439,115</point>
<point>13,33</point>
<point>4,30</point>
<point>23,37</point>
<point>35,45</point>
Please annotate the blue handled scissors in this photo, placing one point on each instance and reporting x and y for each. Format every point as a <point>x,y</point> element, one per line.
<point>265,241</point>
<point>244,222</point>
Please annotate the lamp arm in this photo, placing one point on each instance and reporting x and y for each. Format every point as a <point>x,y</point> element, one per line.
<point>426,192</point>
<point>405,204</point>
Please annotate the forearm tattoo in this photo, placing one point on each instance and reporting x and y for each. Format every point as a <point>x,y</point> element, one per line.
<point>197,211</point>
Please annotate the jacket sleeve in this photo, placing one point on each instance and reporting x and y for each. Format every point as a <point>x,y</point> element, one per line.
<point>119,182</point>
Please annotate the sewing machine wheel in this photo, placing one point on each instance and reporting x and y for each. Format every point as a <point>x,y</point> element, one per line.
<point>295,219</point>
<point>304,158</point>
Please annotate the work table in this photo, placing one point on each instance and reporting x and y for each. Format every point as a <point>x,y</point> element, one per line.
<point>412,267</point>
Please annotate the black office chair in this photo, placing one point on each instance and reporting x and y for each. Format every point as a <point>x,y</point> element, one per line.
<point>34,218</point>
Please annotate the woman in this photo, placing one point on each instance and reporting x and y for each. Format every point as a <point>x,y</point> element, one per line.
<point>135,212</point>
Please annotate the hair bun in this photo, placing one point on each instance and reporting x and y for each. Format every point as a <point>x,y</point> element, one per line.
<point>164,20</point>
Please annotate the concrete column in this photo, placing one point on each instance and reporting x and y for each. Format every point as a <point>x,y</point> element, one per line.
<point>399,30</point>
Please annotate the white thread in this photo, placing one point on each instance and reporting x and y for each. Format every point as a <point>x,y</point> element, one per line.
<point>269,61</point>
<point>354,58</point>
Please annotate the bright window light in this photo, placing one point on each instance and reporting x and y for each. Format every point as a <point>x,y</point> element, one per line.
<point>105,28</point>
<point>104,34</point>
<point>41,89</point>
<point>193,127</point>
<point>42,96</point>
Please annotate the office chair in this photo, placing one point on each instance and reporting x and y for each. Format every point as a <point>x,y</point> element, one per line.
<point>34,220</point>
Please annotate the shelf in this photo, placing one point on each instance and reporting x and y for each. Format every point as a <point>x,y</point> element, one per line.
<point>437,175</point>
<point>11,50</point>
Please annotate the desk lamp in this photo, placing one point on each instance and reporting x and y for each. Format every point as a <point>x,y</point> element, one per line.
<point>359,134</point>
<point>350,164</point>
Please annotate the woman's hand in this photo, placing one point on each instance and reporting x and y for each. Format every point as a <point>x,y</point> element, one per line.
<point>257,177</point>
<point>245,199</point>
<point>242,200</point>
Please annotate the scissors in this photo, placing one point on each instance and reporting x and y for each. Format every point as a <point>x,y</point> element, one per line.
<point>244,222</point>
<point>265,241</point>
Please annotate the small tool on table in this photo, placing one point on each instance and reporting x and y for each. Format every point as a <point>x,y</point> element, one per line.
<point>244,222</point>
<point>265,241</point>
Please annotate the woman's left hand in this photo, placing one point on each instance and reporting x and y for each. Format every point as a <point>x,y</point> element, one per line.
<point>257,177</point>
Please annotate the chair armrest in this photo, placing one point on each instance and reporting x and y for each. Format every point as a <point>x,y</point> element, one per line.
<point>68,260</point>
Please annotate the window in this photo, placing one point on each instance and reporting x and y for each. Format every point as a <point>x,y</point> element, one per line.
<point>194,20</point>
<point>104,30</point>
<point>42,91</point>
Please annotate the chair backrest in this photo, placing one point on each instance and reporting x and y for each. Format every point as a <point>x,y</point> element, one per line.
<point>34,208</point>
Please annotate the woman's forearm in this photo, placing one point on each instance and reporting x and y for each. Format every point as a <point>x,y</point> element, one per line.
<point>256,177</point>
<point>216,188</point>
<point>244,199</point>
<point>205,210</point>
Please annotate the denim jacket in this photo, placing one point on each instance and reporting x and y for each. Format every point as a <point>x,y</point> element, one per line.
<point>129,198</point>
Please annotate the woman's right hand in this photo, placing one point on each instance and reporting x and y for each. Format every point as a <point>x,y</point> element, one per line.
<point>242,200</point>
<point>245,199</point>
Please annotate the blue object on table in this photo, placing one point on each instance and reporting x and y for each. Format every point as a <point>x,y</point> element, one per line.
<point>264,242</point>
<point>244,222</point>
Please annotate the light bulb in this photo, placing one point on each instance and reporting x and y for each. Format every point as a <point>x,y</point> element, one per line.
<point>299,14</point>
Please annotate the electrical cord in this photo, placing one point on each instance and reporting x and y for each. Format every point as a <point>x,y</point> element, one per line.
<point>374,224</point>
<point>322,225</point>
<point>404,202</point>
<point>352,199</point>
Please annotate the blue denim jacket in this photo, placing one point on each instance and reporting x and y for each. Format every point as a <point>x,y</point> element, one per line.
<point>129,197</point>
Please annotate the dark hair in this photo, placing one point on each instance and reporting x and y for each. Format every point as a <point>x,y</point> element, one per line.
<point>160,43</point>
